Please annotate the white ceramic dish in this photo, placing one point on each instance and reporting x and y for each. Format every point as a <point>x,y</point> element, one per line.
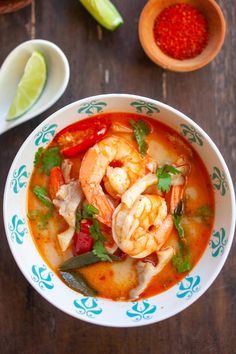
<point>101,311</point>
<point>12,70</point>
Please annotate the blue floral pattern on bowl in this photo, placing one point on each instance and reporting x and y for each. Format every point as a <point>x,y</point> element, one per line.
<point>96,310</point>
<point>188,286</point>
<point>19,179</point>
<point>88,306</point>
<point>92,107</point>
<point>46,134</point>
<point>191,134</point>
<point>17,229</point>
<point>218,242</point>
<point>144,107</point>
<point>219,179</point>
<point>141,310</point>
<point>42,276</point>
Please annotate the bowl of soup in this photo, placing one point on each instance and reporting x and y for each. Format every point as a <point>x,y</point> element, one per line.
<point>119,210</point>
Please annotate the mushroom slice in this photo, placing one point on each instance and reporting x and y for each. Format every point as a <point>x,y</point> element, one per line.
<point>66,169</point>
<point>146,271</point>
<point>65,238</point>
<point>68,198</point>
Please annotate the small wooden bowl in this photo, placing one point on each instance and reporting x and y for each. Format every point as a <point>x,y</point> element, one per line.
<point>216,28</point>
<point>13,5</point>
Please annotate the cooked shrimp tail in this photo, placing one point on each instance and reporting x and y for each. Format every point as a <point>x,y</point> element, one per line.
<point>96,168</point>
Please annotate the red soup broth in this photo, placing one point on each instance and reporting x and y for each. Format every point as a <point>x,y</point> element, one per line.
<point>114,281</point>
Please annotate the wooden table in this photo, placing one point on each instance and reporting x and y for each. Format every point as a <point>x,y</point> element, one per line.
<point>104,62</point>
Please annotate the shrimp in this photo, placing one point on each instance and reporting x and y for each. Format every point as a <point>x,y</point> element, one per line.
<point>179,182</point>
<point>95,168</point>
<point>144,228</point>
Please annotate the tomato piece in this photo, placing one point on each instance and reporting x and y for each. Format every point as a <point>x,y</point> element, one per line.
<point>80,136</point>
<point>116,163</point>
<point>83,241</point>
<point>56,179</point>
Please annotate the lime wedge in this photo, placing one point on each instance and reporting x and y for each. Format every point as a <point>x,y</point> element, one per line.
<point>104,12</point>
<point>30,86</point>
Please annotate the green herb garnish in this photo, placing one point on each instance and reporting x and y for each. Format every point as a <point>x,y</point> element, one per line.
<point>50,159</point>
<point>78,218</point>
<point>178,226</point>
<point>89,211</point>
<point>177,219</point>
<point>205,213</point>
<point>41,218</point>
<point>38,155</point>
<point>96,232</point>
<point>181,265</point>
<point>100,251</point>
<point>181,261</point>
<point>141,129</point>
<point>42,195</point>
<point>164,177</point>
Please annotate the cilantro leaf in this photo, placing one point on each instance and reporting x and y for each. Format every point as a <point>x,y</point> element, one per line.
<point>50,159</point>
<point>100,251</point>
<point>41,218</point>
<point>42,195</point>
<point>181,261</point>
<point>177,219</point>
<point>95,231</point>
<point>89,211</point>
<point>38,155</point>
<point>141,129</point>
<point>164,177</point>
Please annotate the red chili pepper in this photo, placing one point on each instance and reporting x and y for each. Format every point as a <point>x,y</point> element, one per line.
<point>83,241</point>
<point>56,179</point>
<point>80,136</point>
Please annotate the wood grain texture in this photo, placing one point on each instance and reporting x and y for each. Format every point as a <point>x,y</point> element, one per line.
<point>104,62</point>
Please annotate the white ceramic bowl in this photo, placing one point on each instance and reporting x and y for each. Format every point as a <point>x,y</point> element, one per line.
<point>97,310</point>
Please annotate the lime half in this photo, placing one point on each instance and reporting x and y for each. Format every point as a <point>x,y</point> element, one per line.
<point>104,12</point>
<point>30,86</point>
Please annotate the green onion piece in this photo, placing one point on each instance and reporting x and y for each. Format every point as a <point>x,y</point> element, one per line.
<point>77,282</point>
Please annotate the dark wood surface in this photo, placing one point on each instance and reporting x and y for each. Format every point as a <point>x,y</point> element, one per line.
<point>28,323</point>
